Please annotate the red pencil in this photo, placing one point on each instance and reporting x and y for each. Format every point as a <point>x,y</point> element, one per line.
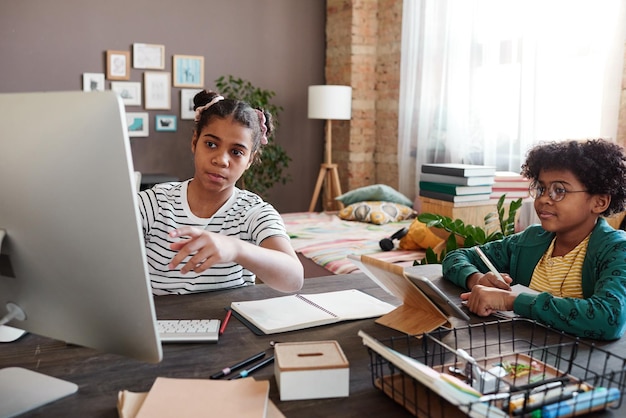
<point>225,321</point>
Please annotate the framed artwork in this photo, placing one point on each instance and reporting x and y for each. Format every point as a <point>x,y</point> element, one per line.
<point>118,65</point>
<point>157,90</point>
<point>93,81</point>
<point>129,91</point>
<point>149,56</point>
<point>165,123</point>
<point>186,103</point>
<point>137,123</point>
<point>188,70</point>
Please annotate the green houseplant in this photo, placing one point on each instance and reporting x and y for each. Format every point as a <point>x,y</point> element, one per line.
<point>272,166</point>
<point>458,235</point>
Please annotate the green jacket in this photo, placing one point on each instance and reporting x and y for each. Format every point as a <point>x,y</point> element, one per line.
<point>601,314</point>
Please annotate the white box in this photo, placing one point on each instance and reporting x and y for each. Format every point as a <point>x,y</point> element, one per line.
<point>311,370</point>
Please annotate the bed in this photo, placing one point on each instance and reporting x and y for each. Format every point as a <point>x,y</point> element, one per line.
<point>326,240</point>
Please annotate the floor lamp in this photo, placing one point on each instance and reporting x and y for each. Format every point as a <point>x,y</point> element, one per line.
<point>329,102</point>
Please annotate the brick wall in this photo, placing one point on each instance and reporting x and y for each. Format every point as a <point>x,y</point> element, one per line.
<point>388,91</point>
<point>363,51</point>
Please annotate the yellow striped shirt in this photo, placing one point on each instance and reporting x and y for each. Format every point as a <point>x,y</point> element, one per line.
<point>561,276</point>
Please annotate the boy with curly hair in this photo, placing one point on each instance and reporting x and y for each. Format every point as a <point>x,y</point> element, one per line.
<point>575,260</point>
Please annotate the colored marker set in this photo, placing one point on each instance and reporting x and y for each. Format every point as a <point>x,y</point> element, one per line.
<point>558,400</point>
<point>582,402</point>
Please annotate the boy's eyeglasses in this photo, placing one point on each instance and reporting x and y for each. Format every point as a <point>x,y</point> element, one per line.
<point>556,191</point>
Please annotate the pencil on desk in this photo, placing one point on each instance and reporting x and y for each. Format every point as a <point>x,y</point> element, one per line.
<point>225,321</point>
<point>490,266</point>
<point>228,370</point>
<point>253,368</point>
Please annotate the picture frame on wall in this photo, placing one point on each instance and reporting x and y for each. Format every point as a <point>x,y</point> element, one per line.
<point>93,81</point>
<point>165,123</point>
<point>137,123</point>
<point>129,91</point>
<point>186,103</point>
<point>188,70</point>
<point>157,90</point>
<point>148,56</point>
<point>118,65</point>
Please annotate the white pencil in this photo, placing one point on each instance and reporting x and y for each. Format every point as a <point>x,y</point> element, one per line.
<point>490,266</point>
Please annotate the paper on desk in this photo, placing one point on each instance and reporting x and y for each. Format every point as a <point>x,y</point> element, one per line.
<point>197,397</point>
<point>128,404</point>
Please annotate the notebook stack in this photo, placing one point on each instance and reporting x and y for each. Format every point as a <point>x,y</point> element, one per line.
<point>457,182</point>
<point>510,183</point>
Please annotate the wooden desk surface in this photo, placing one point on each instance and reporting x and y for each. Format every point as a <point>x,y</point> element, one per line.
<point>101,376</point>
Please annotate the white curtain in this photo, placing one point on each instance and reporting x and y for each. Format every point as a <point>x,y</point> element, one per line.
<point>481,81</point>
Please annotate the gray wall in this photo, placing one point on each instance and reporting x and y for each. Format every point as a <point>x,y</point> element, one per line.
<point>46,45</point>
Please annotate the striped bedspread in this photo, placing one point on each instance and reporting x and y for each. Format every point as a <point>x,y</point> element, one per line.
<point>327,240</point>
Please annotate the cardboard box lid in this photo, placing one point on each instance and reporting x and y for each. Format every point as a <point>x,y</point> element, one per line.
<point>313,355</point>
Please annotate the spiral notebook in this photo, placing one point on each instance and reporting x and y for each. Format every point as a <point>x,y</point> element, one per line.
<point>300,311</point>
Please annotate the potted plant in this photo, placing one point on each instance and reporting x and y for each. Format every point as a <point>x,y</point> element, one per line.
<point>458,235</point>
<point>271,169</point>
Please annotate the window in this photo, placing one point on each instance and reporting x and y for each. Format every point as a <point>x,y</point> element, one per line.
<point>484,80</point>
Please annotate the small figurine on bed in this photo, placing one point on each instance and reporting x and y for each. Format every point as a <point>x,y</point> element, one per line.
<point>419,237</point>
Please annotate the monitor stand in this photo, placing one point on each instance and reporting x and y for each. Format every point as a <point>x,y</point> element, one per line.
<point>22,390</point>
<point>9,334</point>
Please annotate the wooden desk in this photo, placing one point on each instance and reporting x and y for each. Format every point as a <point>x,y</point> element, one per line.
<point>101,376</point>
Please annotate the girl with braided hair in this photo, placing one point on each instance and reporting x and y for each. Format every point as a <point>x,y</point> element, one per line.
<point>206,234</point>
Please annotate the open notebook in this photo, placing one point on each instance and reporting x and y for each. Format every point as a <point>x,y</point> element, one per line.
<point>294,312</point>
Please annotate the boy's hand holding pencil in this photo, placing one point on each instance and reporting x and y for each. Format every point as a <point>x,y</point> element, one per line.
<point>500,282</point>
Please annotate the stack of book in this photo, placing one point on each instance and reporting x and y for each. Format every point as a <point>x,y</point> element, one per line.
<point>510,183</point>
<point>457,182</point>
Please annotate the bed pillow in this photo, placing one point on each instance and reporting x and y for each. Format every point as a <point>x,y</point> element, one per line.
<point>375,192</point>
<point>376,212</point>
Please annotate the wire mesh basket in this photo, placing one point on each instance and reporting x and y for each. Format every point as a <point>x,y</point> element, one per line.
<point>514,367</point>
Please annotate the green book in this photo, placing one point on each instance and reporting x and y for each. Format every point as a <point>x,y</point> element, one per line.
<point>454,189</point>
<point>455,198</point>
<point>461,181</point>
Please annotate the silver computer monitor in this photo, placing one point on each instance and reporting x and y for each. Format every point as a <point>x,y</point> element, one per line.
<point>72,257</point>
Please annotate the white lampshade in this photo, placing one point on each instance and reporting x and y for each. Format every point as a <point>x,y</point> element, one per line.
<point>330,102</point>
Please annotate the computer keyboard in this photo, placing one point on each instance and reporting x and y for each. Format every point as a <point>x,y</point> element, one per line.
<point>188,330</point>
